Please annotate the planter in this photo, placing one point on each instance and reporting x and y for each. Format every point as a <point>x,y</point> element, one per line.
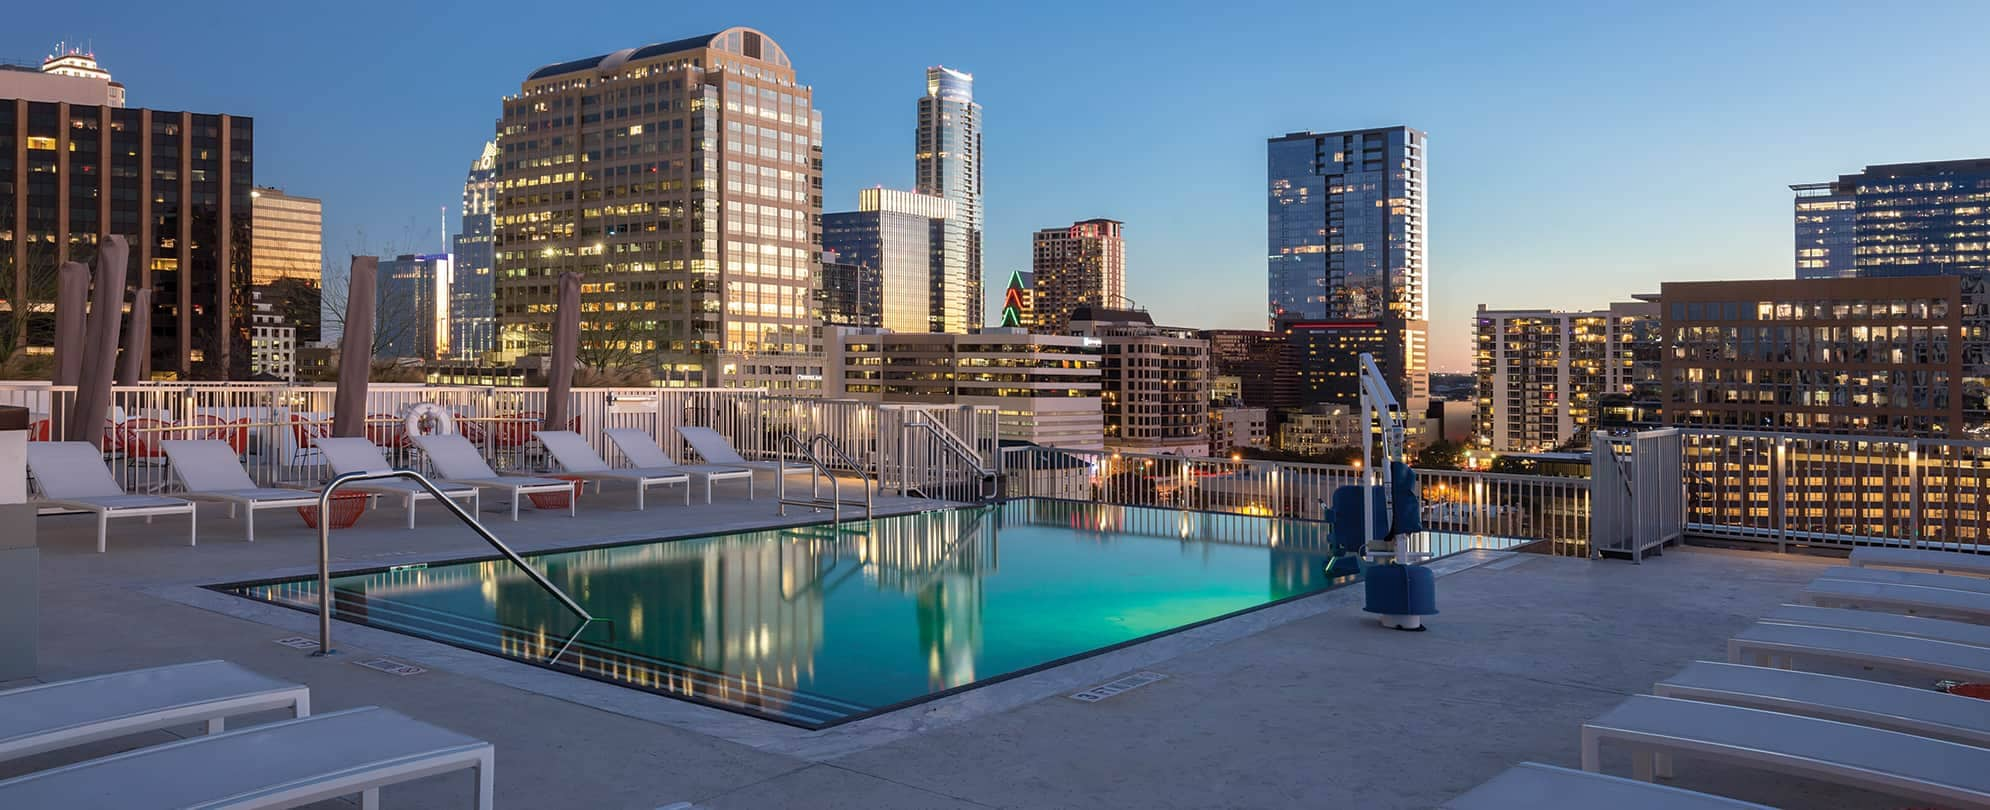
<point>558,500</point>
<point>346,508</point>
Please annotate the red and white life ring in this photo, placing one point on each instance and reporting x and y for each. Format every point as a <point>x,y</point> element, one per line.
<point>427,419</point>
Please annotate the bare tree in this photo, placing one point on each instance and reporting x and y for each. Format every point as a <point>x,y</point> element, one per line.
<point>617,348</point>
<point>29,321</point>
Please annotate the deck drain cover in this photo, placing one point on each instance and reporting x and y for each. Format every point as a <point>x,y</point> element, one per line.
<point>391,666</point>
<point>299,643</point>
<point>1108,689</point>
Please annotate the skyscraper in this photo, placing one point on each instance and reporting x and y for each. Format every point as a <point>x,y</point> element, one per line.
<point>411,309</point>
<point>1543,376</point>
<point>472,322</point>
<point>1082,265</point>
<point>682,180</point>
<point>917,243</point>
<point>947,157</point>
<point>286,237</point>
<point>1826,216</point>
<point>1899,218</point>
<point>1346,248</point>
<point>176,185</point>
<point>852,292</point>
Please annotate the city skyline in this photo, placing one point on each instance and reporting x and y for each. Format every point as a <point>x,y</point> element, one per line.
<point>1182,166</point>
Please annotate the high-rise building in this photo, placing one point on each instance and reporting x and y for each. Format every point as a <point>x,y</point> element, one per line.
<point>682,180</point>
<point>852,293</point>
<point>1900,355</point>
<point>472,320</point>
<point>1826,217</point>
<point>1346,244</point>
<point>176,185</point>
<point>68,76</point>
<point>1543,375</point>
<point>947,158</point>
<point>1264,364</point>
<point>1156,381</point>
<point>1083,265</point>
<point>272,340</point>
<point>1019,300</point>
<point>917,244</point>
<point>1902,217</point>
<point>1044,388</point>
<point>286,237</point>
<point>411,317</point>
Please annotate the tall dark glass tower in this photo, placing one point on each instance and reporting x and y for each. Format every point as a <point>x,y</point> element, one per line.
<point>472,319</point>
<point>1345,246</point>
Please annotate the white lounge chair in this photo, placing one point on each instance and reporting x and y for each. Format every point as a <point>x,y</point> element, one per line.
<point>1906,709</point>
<point>356,454</point>
<point>1923,579</point>
<point>210,471</point>
<point>714,449</point>
<point>1766,644</point>
<point>1912,599</point>
<point>1975,635</point>
<point>53,716</point>
<point>1534,786</point>
<point>1874,759</point>
<point>1924,559</point>
<point>579,460</point>
<point>644,454</point>
<point>283,764</point>
<point>456,459</point>
<point>72,475</point>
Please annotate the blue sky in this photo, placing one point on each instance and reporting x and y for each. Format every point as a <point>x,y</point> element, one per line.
<point>1580,152</point>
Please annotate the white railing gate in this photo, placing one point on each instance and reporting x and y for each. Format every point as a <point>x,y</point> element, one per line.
<point>1637,492</point>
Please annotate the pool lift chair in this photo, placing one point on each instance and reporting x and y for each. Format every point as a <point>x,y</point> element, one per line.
<point>1399,591</point>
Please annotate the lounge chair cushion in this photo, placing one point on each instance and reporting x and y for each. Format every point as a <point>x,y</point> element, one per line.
<point>71,470</point>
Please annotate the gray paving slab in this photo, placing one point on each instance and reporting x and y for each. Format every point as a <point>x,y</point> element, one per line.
<point>1309,703</point>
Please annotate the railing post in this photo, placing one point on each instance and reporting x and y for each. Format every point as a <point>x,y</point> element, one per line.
<point>1914,492</point>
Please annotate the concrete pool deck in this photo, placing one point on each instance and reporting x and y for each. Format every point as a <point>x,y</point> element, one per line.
<point>1305,703</point>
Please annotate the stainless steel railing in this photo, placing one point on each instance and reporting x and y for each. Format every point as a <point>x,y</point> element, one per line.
<point>325,555</point>
<point>819,469</point>
<point>942,459</point>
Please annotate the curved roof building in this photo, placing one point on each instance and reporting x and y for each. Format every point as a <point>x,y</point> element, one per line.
<point>682,181</point>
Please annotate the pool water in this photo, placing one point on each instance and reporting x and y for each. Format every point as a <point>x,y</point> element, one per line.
<point>822,624</point>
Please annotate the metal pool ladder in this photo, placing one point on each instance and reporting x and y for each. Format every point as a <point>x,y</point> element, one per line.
<point>325,555</point>
<point>818,470</point>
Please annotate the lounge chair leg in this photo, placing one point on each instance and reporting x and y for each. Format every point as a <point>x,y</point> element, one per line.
<point>641,490</point>
<point>485,786</point>
<point>1642,764</point>
<point>514,505</point>
<point>1662,764</point>
<point>369,799</point>
<point>1592,760</point>
<point>249,520</point>
<point>411,511</point>
<point>193,534</point>
<point>303,707</point>
<point>231,511</point>
<point>217,725</point>
<point>103,527</point>
<point>687,492</point>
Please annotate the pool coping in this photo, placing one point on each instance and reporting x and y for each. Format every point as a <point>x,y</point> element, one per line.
<point>887,724</point>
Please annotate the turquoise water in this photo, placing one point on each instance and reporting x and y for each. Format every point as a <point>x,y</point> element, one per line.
<point>817,625</point>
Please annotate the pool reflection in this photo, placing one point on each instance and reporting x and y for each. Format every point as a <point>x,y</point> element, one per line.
<point>814,625</point>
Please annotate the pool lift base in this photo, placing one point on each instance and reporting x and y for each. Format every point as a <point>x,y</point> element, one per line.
<point>1399,590</point>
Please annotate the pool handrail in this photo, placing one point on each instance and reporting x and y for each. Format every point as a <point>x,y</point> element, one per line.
<point>817,467</point>
<point>325,554</point>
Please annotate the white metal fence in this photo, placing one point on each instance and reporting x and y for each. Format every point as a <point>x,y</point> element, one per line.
<point>271,426</point>
<point>1460,509</point>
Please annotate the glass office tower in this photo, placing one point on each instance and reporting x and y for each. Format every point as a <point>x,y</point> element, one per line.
<point>947,148</point>
<point>1345,243</point>
<point>1901,218</point>
<point>913,241</point>
<point>472,316</point>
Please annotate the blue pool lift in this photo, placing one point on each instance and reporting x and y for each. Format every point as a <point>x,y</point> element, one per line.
<point>1399,591</point>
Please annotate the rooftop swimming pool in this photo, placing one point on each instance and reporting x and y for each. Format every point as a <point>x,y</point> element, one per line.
<point>822,624</point>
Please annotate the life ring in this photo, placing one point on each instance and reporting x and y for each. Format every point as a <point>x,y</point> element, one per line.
<point>428,418</point>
